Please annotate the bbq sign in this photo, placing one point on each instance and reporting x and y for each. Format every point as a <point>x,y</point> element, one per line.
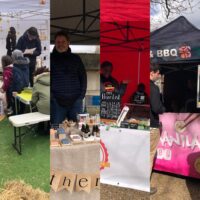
<point>183,52</point>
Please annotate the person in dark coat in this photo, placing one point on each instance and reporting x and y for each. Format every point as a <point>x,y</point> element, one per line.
<point>20,75</point>
<point>20,71</point>
<point>11,41</point>
<point>108,83</point>
<point>156,108</point>
<point>68,81</point>
<point>140,96</point>
<point>30,45</point>
<point>106,79</point>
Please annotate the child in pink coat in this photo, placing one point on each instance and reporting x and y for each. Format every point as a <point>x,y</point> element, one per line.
<point>7,78</point>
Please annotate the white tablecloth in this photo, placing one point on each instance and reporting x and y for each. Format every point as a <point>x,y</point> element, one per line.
<point>76,159</point>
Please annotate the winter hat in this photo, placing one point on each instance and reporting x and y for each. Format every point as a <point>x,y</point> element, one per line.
<point>16,54</point>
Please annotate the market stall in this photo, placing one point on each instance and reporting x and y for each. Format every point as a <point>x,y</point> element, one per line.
<point>123,162</point>
<point>124,39</point>
<point>126,45</point>
<point>78,143</point>
<point>175,47</point>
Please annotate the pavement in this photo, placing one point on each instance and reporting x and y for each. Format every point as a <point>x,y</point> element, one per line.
<point>169,187</point>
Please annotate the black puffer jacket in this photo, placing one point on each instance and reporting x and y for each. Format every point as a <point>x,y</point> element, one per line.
<point>68,77</point>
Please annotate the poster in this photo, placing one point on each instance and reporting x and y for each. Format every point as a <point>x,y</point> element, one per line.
<point>178,151</point>
<point>125,158</point>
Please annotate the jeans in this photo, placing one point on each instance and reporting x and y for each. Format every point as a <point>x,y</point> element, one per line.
<point>60,113</point>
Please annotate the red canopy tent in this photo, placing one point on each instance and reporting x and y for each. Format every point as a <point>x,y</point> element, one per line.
<point>123,10</point>
<point>126,44</point>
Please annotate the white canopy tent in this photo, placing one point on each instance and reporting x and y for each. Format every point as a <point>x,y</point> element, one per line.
<point>22,15</point>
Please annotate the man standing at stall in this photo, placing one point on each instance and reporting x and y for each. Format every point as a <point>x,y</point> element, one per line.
<point>68,81</point>
<point>156,109</point>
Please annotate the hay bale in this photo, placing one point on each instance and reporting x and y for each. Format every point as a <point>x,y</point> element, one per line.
<point>2,117</point>
<point>18,190</point>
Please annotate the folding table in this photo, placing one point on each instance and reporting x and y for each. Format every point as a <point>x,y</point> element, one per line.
<point>19,121</point>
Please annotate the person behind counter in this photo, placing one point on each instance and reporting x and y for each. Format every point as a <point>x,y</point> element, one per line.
<point>140,96</point>
<point>109,83</point>
<point>30,45</point>
<point>41,90</point>
<point>68,81</point>
<point>156,108</point>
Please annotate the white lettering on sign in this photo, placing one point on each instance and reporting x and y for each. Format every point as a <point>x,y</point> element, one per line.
<point>185,141</point>
<point>164,154</point>
<point>151,54</point>
<point>167,53</point>
<point>164,53</point>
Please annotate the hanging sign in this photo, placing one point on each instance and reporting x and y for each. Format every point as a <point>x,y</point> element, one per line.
<point>174,53</point>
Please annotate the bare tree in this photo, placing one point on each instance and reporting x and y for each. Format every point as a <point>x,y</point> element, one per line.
<point>170,7</point>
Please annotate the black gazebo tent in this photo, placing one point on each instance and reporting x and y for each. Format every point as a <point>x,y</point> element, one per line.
<point>176,42</point>
<point>176,48</point>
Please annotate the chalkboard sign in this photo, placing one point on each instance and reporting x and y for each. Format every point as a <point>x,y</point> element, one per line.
<point>110,106</point>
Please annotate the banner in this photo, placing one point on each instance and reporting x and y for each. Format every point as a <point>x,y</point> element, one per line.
<point>183,52</point>
<point>74,182</point>
<point>125,158</point>
<point>179,147</point>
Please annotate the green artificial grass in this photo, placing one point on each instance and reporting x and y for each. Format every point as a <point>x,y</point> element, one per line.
<point>34,163</point>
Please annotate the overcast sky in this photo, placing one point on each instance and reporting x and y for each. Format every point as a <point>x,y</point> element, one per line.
<point>158,19</point>
<point>17,5</point>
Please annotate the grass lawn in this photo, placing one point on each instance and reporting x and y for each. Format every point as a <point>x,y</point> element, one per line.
<point>34,163</point>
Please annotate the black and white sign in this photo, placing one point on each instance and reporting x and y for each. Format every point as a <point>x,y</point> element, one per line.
<point>110,105</point>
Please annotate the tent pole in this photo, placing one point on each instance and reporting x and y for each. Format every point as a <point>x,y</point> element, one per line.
<point>139,57</point>
<point>84,15</point>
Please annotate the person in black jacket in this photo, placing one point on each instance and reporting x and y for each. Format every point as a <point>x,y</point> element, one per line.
<point>108,82</point>
<point>68,81</point>
<point>106,77</point>
<point>140,96</point>
<point>11,41</point>
<point>156,108</point>
<point>30,45</point>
